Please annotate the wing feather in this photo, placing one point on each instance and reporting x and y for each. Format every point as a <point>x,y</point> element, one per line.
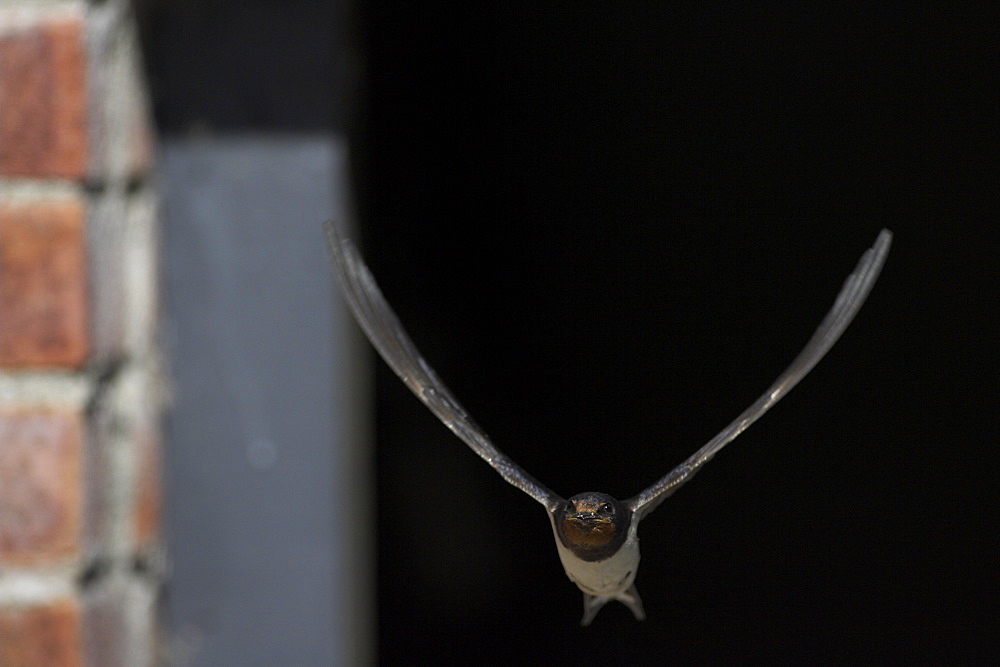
<point>383,329</point>
<point>849,301</point>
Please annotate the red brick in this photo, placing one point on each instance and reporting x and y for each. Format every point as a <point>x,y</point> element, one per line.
<point>42,636</point>
<point>41,485</point>
<point>141,141</point>
<point>148,505</point>
<point>43,285</point>
<point>43,118</point>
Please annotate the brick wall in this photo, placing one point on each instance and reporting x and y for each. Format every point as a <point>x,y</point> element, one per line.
<point>80,382</point>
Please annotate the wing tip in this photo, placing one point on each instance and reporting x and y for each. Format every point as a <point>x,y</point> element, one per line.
<point>881,246</point>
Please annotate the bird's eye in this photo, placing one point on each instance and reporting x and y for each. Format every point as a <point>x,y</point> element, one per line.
<point>606,507</point>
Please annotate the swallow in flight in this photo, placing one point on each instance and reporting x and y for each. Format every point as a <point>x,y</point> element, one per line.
<point>595,533</point>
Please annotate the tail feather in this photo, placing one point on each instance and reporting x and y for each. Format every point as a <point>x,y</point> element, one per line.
<point>593,603</point>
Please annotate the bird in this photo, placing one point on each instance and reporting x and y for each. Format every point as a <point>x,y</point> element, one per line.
<point>596,534</point>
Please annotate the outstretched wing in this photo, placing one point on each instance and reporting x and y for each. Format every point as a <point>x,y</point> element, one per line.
<point>383,329</point>
<point>852,295</point>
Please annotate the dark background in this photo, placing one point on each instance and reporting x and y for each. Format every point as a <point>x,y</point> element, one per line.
<point>609,230</point>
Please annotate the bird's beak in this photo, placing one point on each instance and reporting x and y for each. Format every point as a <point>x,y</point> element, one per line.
<point>589,518</point>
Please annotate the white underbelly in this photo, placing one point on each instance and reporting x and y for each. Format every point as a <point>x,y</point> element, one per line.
<point>607,577</point>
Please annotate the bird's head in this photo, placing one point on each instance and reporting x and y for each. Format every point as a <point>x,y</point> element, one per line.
<point>593,525</point>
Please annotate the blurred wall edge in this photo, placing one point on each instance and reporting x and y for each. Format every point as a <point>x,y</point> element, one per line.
<point>268,501</point>
<point>267,518</point>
